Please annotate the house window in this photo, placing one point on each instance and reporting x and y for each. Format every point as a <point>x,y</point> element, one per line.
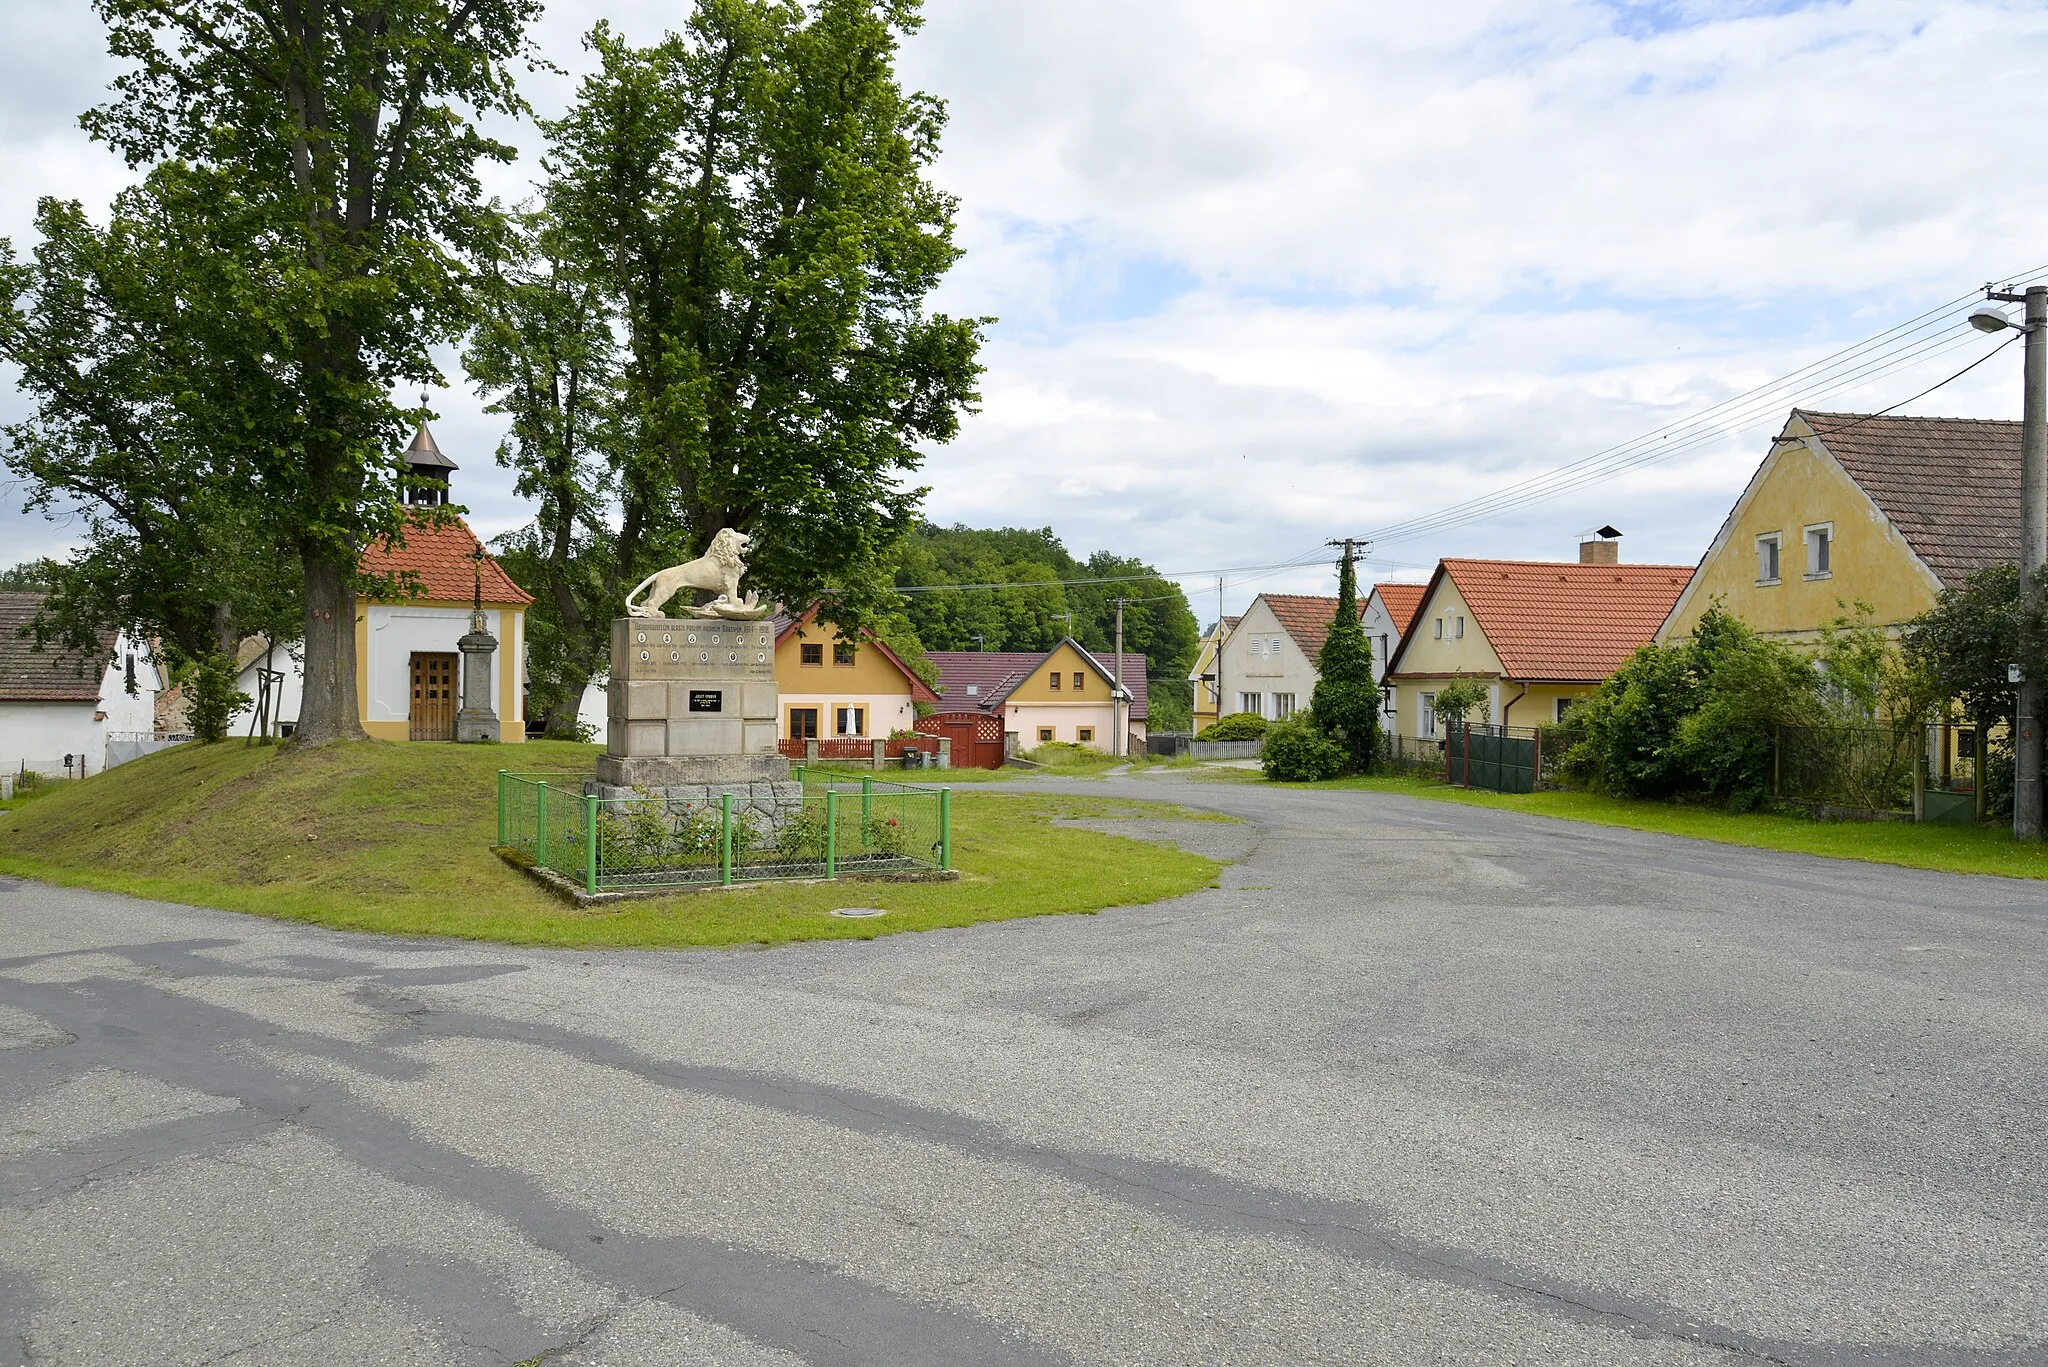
<point>1055,679</point>
<point>1084,734</point>
<point>1564,706</point>
<point>973,690</point>
<point>1256,646</point>
<point>1077,681</point>
<point>1428,717</point>
<point>1767,558</point>
<point>1283,706</point>
<point>803,723</point>
<point>1439,628</point>
<point>1249,702</point>
<point>1966,745</point>
<point>1459,631</point>
<point>849,721</point>
<point>810,653</point>
<point>1044,734</point>
<point>1820,545</point>
<point>842,653</point>
<point>1384,656</point>
<point>131,674</point>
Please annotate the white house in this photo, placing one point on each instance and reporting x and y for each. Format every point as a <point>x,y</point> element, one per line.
<point>55,704</point>
<point>283,658</point>
<point>1269,656</point>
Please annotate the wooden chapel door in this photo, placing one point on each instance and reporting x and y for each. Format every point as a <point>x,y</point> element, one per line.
<point>433,696</point>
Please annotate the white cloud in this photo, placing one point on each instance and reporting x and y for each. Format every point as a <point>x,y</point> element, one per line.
<point>1268,276</point>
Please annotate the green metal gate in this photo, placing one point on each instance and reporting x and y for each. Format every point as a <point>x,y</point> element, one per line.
<point>1500,759</point>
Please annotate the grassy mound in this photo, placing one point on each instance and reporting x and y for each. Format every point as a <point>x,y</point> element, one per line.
<point>396,839</point>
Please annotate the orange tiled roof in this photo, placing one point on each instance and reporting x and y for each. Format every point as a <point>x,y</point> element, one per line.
<point>440,558</point>
<point>1561,620</point>
<point>1403,602</point>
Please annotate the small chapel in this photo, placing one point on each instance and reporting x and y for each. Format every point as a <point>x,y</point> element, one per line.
<point>420,661</point>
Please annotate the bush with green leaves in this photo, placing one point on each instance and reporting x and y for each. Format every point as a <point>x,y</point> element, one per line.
<point>1457,700</point>
<point>1297,751</point>
<point>1235,726</point>
<point>215,700</point>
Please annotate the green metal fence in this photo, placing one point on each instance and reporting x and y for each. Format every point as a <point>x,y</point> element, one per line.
<point>1500,758</point>
<point>835,827</point>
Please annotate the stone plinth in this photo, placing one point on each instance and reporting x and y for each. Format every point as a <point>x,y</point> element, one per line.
<point>478,720</point>
<point>692,703</point>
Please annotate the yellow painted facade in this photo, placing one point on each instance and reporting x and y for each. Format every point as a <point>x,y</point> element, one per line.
<point>1798,488</point>
<point>1035,705</point>
<point>1205,709</point>
<point>871,682</point>
<point>1430,660</point>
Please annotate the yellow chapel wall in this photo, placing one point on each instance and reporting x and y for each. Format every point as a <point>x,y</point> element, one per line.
<point>1869,560</point>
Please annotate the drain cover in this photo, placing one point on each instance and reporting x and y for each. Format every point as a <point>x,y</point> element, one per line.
<point>858,911</point>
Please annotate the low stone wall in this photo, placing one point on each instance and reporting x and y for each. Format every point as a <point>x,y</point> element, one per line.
<point>772,804</point>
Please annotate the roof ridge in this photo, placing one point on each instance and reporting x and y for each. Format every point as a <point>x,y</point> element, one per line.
<point>1905,417</point>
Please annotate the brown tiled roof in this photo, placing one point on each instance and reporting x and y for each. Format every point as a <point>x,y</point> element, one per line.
<point>1306,617</point>
<point>1560,620</point>
<point>994,673</point>
<point>1403,602</point>
<point>52,674</point>
<point>1950,485</point>
<point>440,556</point>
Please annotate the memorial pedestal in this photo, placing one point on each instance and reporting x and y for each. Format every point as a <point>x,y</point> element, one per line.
<point>693,704</point>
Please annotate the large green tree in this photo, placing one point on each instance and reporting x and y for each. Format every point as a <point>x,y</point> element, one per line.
<point>1346,701</point>
<point>340,138</point>
<point>749,197</point>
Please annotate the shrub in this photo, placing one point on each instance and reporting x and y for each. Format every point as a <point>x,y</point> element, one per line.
<point>1235,726</point>
<point>1456,699</point>
<point>1297,751</point>
<point>215,700</point>
<point>1346,701</point>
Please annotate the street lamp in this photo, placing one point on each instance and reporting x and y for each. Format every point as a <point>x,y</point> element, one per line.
<point>1987,317</point>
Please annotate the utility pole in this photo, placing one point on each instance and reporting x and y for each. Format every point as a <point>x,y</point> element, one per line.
<point>1116,702</point>
<point>2026,794</point>
<point>1219,647</point>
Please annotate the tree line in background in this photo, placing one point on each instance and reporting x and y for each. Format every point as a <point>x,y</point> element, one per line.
<point>713,316</point>
<point>1041,601</point>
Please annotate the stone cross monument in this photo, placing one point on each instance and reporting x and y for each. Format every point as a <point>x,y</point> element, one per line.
<point>478,720</point>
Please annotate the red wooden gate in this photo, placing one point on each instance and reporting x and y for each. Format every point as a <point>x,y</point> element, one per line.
<point>977,737</point>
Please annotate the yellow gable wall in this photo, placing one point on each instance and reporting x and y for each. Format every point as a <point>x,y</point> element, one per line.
<point>1425,655</point>
<point>1064,660</point>
<point>870,674</point>
<point>1869,560</point>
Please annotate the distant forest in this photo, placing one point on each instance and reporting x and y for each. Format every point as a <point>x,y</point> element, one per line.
<point>1038,609</point>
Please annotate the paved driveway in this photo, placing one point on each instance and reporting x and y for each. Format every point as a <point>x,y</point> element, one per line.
<point>1421,1083</point>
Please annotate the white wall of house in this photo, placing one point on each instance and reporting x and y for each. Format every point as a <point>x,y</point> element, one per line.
<point>1385,637</point>
<point>37,736</point>
<point>284,705</point>
<point>1262,665</point>
<point>398,630</point>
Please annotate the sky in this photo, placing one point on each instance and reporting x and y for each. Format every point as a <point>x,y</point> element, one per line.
<point>1271,275</point>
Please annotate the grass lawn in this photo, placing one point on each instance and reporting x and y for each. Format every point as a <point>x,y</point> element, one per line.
<point>1948,849</point>
<point>396,839</point>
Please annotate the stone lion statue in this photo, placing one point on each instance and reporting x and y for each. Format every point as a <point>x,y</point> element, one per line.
<point>718,569</point>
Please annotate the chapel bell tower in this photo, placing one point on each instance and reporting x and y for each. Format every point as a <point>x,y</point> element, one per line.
<point>429,469</point>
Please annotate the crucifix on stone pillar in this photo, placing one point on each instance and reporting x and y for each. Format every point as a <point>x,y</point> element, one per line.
<point>478,720</point>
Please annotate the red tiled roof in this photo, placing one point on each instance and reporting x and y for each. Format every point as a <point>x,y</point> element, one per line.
<point>994,673</point>
<point>1560,620</point>
<point>1306,617</point>
<point>440,557</point>
<point>52,674</point>
<point>1403,602</point>
<point>1950,485</point>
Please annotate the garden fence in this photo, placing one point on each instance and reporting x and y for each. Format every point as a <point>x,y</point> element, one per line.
<point>1872,769</point>
<point>647,840</point>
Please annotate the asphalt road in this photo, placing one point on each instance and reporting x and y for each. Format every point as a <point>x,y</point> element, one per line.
<point>1421,1083</point>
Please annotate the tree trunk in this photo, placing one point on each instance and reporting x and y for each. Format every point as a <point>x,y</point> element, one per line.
<point>328,711</point>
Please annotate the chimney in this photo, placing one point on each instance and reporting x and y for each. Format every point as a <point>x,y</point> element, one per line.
<point>1601,546</point>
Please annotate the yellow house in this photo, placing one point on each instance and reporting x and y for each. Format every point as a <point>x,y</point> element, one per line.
<point>1065,694</point>
<point>1538,634</point>
<point>837,689</point>
<point>1849,508</point>
<point>1203,677</point>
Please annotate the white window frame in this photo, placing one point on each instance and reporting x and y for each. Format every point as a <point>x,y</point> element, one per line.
<point>1826,533</point>
<point>1458,633</point>
<point>1776,541</point>
<point>1283,706</point>
<point>1253,703</point>
<point>1425,720</point>
<point>1439,628</point>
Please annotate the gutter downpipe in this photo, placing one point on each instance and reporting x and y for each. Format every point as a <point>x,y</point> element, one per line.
<point>1536,765</point>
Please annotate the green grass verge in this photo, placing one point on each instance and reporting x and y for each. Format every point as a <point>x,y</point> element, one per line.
<point>396,839</point>
<point>1945,849</point>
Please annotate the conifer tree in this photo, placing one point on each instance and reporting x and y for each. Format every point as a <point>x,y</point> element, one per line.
<point>1346,701</point>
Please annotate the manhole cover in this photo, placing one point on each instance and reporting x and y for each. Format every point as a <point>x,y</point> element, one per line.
<point>858,911</point>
